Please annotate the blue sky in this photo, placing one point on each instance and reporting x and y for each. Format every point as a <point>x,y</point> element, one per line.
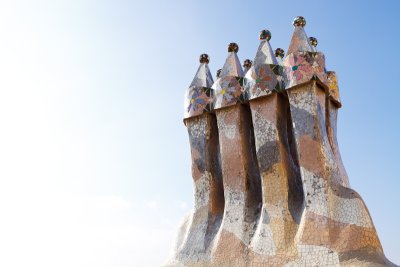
<point>94,158</point>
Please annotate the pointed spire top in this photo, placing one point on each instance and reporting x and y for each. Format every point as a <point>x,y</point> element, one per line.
<point>265,54</point>
<point>247,65</point>
<point>229,85</point>
<point>261,79</point>
<point>232,66</point>
<point>203,77</point>
<point>300,42</point>
<point>199,95</point>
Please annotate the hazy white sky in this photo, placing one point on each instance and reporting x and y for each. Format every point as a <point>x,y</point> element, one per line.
<point>94,157</point>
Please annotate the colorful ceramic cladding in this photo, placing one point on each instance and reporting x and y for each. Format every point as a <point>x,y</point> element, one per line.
<point>199,95</point>
<point>270,187</point>
<point>301,67</point>
<point>269,72</point>
<point>229,87</point>
<point>333,86</point>
<point>303,63</point>
<point>265,75</point>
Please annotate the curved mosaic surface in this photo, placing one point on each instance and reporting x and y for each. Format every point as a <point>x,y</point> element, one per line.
<point>270,187</point>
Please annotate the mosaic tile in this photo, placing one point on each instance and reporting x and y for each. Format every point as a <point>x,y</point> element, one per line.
<point>265,75</point>
<point>229,86</point>
<point>270,187</point>
<point>333,86</point>
<point>199,95</point>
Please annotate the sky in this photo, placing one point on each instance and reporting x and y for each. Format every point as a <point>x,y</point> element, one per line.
<point>94,157</point>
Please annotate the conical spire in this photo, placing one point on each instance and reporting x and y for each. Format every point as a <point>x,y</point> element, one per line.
<point>302,62</point>
<point>299,42</point>
<point>199,95</point>
<point>203,77</point>
<point>265,54</point>
<point>228,87</point>
<point>262,78</point>
<point>232,65</point>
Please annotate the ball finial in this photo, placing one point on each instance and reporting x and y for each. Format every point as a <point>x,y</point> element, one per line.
<point>265,35</point>
<point>247,63</point>
<point>279,52</point>
<point>299,21</point>
<point>313,41</point>
<point>233,47</point>
<point>219,73</point>
<point>204,58</point>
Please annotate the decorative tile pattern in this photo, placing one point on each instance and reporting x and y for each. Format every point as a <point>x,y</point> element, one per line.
<point>229,91</point>
<point>300,42</point>
<point>200,228</point>
<point>270,188</point>
<point>263,81</point>
<point>241,182</point>
<point>301,67</point>
<point>333,86</point>
<point>199,96</point>
<point>229,86</point>
<point>333,110</point>
<point>265,76</point>
<point>198,100</point>
<point>287,202</point>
